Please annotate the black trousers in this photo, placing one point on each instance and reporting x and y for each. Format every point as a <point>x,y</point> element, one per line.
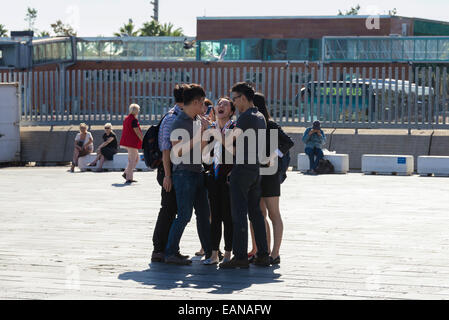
<point>220,207</point>
<point>167,214</point>
<point>245,202</point>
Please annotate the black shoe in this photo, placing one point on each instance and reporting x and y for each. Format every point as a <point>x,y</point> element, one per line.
<point>262,261</point>
<point>182,256</point>
<point>252,258</point>
<point>234,264</point>
<point>175,259</point>
<point>275,261</point>
<point>124,176</point>
<point>157,257</point>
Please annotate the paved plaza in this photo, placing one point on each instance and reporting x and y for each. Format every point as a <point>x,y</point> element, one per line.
<point>88,236</point>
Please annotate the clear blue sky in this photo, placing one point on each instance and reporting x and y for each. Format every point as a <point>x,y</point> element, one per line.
<point>104,17</point>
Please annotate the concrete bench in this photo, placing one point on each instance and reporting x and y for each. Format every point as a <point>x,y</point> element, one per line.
<point>339,161</point>
<point>433,165</point>
<point>387,164</point>
<point>119,162</point>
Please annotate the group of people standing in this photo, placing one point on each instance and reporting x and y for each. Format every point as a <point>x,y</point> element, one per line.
<point>223,194</point>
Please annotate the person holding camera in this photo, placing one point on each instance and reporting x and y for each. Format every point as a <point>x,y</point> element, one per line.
<point>314,140</point>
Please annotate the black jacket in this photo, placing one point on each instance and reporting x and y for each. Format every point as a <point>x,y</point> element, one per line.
<point>285,143</point>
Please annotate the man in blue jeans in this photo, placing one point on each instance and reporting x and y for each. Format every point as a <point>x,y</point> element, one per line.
<point>314,140</point>
<point>245,184</point>
<point>188,174</point>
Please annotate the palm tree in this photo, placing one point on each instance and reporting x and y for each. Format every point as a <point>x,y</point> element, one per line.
<point>167,31</point>
<point>127,30</point>
<point>3,31</point>
<point>150,29</point>
<point>43,34</point>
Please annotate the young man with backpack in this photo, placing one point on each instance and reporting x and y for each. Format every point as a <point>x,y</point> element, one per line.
<point>188,174</point>
<point>169,208</point>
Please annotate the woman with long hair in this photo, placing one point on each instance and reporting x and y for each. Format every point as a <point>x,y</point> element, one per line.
<point>271,185</point>
<point>217,185</point>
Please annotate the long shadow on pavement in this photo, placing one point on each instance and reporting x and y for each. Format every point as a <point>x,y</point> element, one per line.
<point>198,276</point>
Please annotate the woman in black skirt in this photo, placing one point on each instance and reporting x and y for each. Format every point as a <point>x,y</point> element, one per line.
<point>217,184</point>
<point>107,149</point>
<point>271,185</point>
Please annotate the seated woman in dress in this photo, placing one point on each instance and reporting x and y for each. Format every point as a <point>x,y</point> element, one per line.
<point>107,149</point>
<point>84,144</point>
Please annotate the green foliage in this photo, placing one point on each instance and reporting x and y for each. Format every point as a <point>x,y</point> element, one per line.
<point>31,17</point>
<point>43,34</point>
<point>150,29</point>
<point>3,31</point>
<point>167,31</point>
<point>128,29</point>
<point>61,29</point>
<point>351,12</point>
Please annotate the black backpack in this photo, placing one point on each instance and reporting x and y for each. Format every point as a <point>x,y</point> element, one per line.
<point>324,167</point>
<point>150,145</point>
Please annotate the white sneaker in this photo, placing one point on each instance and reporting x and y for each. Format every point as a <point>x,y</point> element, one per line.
<point>210,261</point>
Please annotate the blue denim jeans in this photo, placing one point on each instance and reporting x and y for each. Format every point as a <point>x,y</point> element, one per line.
<point>191,193</point>
<point>312,153</point>
<point>245,202</point>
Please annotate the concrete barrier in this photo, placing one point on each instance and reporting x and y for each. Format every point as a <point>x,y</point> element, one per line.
<point>380,141</point>
<point>387,164</point>
<point>55,144</point>
<point>433,165</point>
<point>119,162</point>
<point>339,161</point>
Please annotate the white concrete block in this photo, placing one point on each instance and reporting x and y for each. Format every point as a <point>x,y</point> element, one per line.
<point>339,161</point>
<point>387,164</point>
<point>437,165</point>
<point>119,162</point>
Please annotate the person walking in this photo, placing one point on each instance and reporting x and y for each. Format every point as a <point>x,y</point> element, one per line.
<point>132,141</point>
<point>168,210</point>
<point>188,174</point>
<point>314,140</point>
<point>245,181</point>
<point>271,184</point>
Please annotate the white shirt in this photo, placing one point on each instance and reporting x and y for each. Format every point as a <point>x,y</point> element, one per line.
<point>86,140</point>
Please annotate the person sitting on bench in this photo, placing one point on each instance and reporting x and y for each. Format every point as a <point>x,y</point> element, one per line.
<point>314,140</point>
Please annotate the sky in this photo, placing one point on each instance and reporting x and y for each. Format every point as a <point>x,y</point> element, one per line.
<point>91,18</point>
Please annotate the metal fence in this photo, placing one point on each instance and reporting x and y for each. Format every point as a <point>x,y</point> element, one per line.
<point>409,97</point>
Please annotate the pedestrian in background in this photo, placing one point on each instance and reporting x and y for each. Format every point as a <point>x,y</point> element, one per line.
<point>84,145</point>
<point>314,140</point>
<point>132,141</point>
<point>107,149</point>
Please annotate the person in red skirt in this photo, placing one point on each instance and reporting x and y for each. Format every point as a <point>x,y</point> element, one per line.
<point>131,140</point>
